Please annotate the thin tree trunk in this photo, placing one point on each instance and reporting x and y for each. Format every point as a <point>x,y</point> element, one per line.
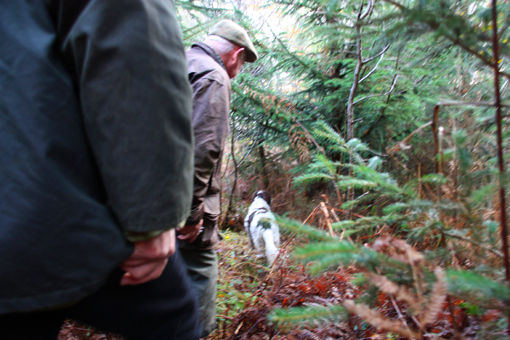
<point>355,85</point>
<point>435,133</point>
<point>263,164</point>
<point>350,102</point>
<point>231,198</point>
<point>354,88</point>
<point>501,161</point>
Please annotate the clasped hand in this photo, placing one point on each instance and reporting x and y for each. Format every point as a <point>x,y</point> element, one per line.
<point>190,232</point>
<point>149,259</point>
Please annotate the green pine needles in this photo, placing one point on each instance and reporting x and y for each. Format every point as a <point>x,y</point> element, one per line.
<point>451,231</point>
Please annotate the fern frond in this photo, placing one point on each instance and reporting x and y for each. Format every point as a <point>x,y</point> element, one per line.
<point>451,206</point>
<point>436,299</point>
<point>349,205</point>
<point>374,163</point>
<point>319,165</point>
<point>371,220</point>
<point>309,231</point>
<point>422,205</point>
<point>483,194</point>
<point>433,179</point>
<point>338,148</point>
<point>481,288</point>
<point>404,252</point>
<point>312,178</point>
<point>333,261</point>
<point>383,180</point>
<point>327,132</point>
<point>378,320</point>
<point>360,224</point>
<point>395,207</point>
<point>313,251</point>
<point>343,224</point>
<point>328,164</point>
<point>307,314</point>
<point>334,254</point>
<point>401,293</point>
<point>355,183</point>
<point>357,145</point>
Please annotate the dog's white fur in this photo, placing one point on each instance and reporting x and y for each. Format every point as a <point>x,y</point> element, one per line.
<point>263,239</point>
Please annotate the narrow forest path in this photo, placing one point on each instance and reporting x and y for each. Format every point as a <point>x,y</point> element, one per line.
<point>249,291</point>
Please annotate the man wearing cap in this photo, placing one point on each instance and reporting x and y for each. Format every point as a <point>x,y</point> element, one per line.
<point>211,65</point>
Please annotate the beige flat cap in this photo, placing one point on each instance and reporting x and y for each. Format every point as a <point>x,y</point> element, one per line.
<point>234,33</point>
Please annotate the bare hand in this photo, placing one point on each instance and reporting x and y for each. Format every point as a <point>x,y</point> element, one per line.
<point>190,232</point>
<point>149,259</point>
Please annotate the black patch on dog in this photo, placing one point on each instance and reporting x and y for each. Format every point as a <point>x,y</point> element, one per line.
<point>264,195</point>
<point>265,224</point>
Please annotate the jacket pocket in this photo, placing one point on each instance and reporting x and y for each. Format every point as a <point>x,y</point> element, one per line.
<point>212,204</point>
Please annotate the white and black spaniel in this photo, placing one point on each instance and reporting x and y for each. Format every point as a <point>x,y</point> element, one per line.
<point>261,227</point>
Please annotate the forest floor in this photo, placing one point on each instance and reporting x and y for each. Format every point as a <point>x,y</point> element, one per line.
<point>248,291</point>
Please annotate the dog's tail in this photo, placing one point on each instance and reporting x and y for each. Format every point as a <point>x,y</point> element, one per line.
<point>271,249</point>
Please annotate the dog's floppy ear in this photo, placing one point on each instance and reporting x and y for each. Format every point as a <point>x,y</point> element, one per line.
<point>264,195</point>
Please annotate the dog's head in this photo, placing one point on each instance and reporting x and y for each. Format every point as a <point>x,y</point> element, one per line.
<point>264,195</point>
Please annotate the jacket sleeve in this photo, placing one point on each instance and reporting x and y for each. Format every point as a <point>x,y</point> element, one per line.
<point>211,105</point>
<point>130,71</point>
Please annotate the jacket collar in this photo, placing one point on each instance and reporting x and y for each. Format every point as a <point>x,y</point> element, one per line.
<point>211,52</point>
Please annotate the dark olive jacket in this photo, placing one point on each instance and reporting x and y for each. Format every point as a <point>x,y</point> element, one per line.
<point>95,140</point>
<point>211,107</point>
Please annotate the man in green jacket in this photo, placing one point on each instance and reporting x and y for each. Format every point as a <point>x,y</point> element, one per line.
<point>95,161</point>
<point>211,65</point>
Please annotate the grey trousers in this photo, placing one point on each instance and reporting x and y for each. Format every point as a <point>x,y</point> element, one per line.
<point>203,271</point>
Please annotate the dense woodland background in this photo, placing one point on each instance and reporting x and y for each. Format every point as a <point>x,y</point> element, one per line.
<point>382,133</point>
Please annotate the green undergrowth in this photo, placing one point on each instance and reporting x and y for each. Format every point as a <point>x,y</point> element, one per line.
<point>240,274</point>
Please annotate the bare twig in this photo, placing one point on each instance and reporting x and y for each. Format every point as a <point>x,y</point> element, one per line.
<point>380,95</point>
<point>321,149</point>
<point>244,158</point>
<point>314,212</point>
<point>454,103</point>
<point>381,54</point>
<point>484,247</point>
<point>328,221</point>
<point>400,316</point>
<point>395,4</point>
<point>402,143</point>
<point>345,212</point>
<point>367,12</point>
<point>372,70</point>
